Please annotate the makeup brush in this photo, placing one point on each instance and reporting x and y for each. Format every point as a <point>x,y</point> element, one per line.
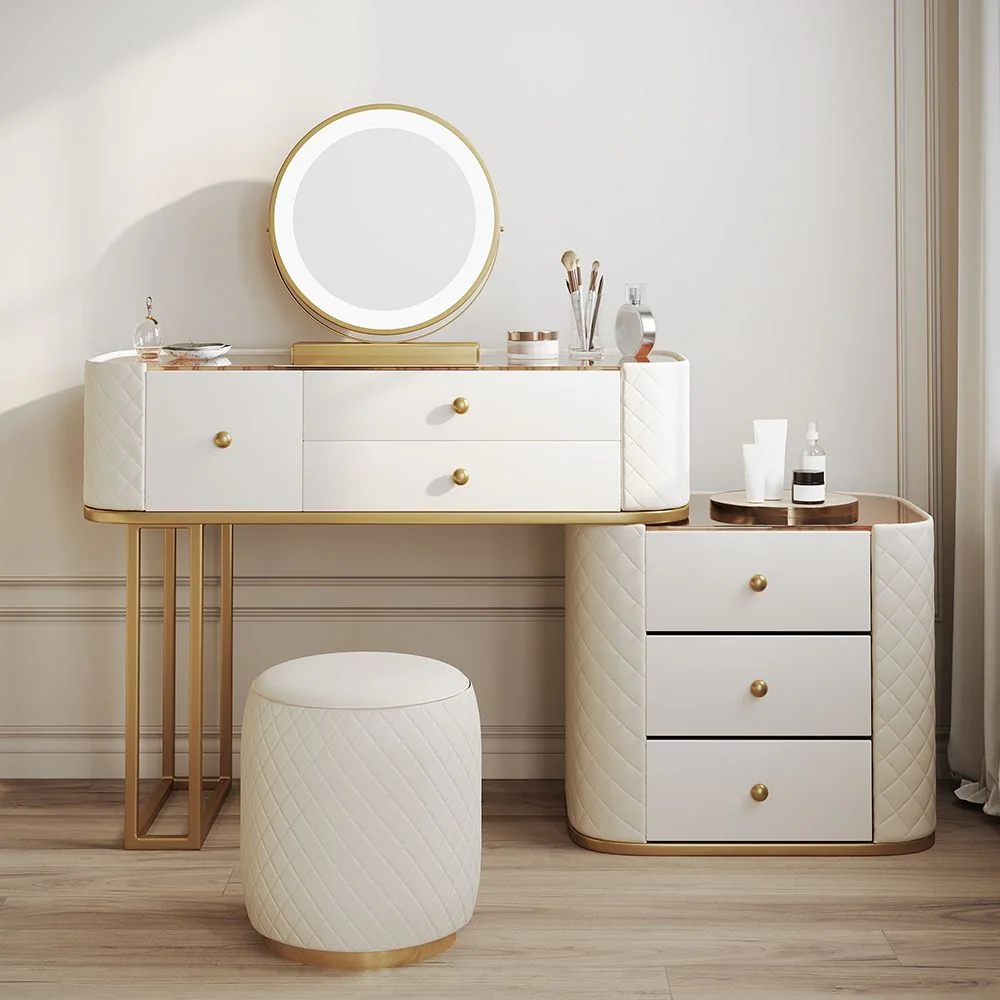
<point>592,333</point>
<point>588,313</point>
<point>571,261</point>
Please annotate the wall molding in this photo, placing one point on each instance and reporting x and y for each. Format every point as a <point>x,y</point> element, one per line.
<point>92,582</point>
<point>294,598</point>
<point>488,602</point>
<point>99,751</point>
<point>293,614</point>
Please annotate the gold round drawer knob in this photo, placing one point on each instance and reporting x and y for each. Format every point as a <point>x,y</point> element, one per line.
<point>460,477</point>
<point>758,688</point>
<point>758,792</point>
<point>758,583</point>
<point>460,405</point>
<point>223,439</point>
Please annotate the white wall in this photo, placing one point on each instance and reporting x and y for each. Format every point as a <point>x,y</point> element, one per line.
<point>738,157</point>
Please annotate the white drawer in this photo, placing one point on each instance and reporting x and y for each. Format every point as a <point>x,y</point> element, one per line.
<point>700,790</point>
<point>699,581</point>
<point>260,470</point>
<point>417,476</point>
<point>536,405</point>
<point>814,685</point>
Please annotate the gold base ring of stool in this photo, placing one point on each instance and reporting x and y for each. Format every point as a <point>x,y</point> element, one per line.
<point>361,961</point>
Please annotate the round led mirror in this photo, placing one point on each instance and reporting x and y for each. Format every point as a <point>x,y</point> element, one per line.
<point>384,223</point>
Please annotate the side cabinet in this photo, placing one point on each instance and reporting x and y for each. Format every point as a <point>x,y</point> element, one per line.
<point>750,690</point>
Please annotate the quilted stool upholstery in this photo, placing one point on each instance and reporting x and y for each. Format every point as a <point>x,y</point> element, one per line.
<point>361,793</point>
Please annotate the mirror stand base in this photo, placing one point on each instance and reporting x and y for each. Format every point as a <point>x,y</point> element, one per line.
<point>457,354</point>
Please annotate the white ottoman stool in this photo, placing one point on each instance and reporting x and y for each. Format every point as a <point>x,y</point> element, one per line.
<point>361,792</point>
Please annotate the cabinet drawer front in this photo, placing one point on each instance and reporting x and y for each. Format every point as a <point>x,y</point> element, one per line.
<point>817,790</point>
<point>816,685</point>
<point>417,476</point>
<point>260,470</point>
<point>699,581</point>
<point>534,405</point>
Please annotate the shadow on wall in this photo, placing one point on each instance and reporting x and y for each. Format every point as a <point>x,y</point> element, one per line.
<point>206,261</point>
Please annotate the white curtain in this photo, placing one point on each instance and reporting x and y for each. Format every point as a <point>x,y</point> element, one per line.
<point>974,748</point>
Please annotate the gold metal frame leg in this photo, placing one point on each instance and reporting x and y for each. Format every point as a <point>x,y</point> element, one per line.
<point>133,567</point>
<point>196,681</point>
<point>169,710</point>
<point>226,651</point>
<point>201,812</point>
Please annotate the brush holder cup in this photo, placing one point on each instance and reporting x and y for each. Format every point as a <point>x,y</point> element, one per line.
<point>583,345</point>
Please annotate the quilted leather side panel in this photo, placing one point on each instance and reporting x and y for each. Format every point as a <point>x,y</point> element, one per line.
<point>361,830</point>
<point>114,425</point>
<point>656,446</point>
<point>606,681</point>
<point>903,682</point>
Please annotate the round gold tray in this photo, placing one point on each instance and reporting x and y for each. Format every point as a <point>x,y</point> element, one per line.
<point>734,508</point>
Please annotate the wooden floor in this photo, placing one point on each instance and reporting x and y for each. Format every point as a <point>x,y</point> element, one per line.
<point>81,918</point>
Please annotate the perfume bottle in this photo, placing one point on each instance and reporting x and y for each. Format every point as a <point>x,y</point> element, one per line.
<point>147,339</point>
<point>635,328</point>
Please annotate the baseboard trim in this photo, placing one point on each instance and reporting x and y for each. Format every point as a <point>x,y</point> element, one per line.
<point>98,752</point>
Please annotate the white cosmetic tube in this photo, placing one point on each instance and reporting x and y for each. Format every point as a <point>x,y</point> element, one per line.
<point>754,463</point>
<point>771,434</point>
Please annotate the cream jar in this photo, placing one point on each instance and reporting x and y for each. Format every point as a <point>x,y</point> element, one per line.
<point>532,345</point>
<point>808,486</point>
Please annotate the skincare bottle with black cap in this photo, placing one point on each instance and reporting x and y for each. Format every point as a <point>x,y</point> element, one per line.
<point>809,480</point>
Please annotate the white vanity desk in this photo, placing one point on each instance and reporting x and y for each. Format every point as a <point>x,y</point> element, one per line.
<point>703,715</point>
<point>729,689</point>
<point>260,441</point>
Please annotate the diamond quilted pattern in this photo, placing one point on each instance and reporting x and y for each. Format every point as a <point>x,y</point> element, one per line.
<point>606,681</point>
<point>361,830</point>
<point>655,437</point>
<point>903,656</point>
<point>114,434</point>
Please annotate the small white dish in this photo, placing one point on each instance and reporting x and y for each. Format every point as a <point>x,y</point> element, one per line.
<point>197,352</point>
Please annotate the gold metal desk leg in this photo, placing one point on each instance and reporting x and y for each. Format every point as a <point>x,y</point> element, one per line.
<point>196,685</point>
<point>133,566</point>
<point>201,814</point>
<point>226,651</point>
<point>169,703</point>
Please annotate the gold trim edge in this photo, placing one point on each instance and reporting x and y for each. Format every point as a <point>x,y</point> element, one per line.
<point>166,518</point>
<point>360,961</point>
<point>748,849</point>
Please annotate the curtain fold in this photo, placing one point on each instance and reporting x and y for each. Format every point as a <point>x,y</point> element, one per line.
<point>974,746</point>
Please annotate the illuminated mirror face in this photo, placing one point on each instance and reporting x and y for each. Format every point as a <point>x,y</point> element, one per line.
<point>384,220</point>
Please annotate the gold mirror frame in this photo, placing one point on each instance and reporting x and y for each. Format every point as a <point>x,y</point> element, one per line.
<point>421,330</point>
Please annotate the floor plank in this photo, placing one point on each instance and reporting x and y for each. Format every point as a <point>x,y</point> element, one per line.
<point>450,975</point>
<point>823,982</point>
<point>965,948</point>
<point>79,917</point>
